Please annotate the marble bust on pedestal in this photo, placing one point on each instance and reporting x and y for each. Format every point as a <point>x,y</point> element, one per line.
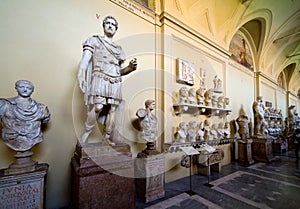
<point>148,123</point>
<point>21,118</point>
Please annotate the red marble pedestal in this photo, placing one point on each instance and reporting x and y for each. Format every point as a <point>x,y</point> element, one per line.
<point>103,177</point>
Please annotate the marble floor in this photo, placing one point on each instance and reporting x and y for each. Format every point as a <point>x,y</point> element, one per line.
<point>261,185</point>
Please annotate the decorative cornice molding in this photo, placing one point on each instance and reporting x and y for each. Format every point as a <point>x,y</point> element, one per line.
<point>260,74</point>
<point>137,9</point>
<point>166,17</point>
<point>292,94</point>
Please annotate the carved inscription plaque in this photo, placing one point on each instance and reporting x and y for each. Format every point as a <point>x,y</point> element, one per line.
<point>150,177</point>
<point>27,195</point>
<point>24,191</point>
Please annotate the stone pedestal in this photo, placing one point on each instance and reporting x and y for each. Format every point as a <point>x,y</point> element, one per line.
<point>245,152</point>
<point>210,161</point>
<point>103,177</point>
<point>149,176</point>
<point>23,163</point>
<point>279,146</point>
<point>262,148</point>
<point>23,190</point>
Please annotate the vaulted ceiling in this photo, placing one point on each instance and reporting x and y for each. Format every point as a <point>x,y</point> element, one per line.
<point>272,28</point>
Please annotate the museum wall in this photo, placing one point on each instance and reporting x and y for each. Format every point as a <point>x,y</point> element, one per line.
<point>240,88</point>
<point>268,91</point>
<point>293,100</point>
<point>41,41</point>
<point>281,101</point>
<point>208,61</point>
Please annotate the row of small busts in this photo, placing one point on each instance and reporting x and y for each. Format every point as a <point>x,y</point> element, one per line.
<point>274,127</point>
<point>202,97</point>
<point>272,112</point>
<point>193,132</point>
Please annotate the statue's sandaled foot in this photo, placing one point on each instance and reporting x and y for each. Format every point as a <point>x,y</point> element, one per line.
<point>108,141</point>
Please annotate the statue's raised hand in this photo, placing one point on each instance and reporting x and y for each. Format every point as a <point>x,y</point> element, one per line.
<point>133,64</point>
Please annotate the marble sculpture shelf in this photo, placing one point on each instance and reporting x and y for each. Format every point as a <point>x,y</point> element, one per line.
<point>199,109</point>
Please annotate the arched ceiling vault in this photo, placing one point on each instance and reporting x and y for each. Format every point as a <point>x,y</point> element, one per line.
<point>274,27</point>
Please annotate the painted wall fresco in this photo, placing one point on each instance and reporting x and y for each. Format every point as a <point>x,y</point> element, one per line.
<point>241,51</point>
<point>281,81</point>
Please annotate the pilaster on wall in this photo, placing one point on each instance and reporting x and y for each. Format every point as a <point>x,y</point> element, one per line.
<point>256,84</point>
<point>261,80</point>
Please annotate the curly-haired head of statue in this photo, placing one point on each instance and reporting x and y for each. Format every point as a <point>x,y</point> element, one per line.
<point>105,20</point>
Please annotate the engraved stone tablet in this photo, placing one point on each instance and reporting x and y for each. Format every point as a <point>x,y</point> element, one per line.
<point>23,190</point>
<point>149,177</point>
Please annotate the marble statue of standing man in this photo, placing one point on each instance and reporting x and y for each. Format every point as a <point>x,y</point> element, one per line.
<point>259,113</point>
<point>100,76</point>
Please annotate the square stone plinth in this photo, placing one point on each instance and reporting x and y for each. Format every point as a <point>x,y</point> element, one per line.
<point>149,174</point>
<point>103,177</point>
<point>262,149</point>
<point>245,152</point>
<point>25,190</point>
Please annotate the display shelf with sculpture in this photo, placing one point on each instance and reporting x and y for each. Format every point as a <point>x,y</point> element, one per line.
<point>202,101</point>
<point>274,120</point>
<point>175,147</point>
<point>150,163</point>
<point>22,118</point>
<point>206,103</point>
<point>199,109</point>
<point>193,134</point>
<point>190,135</point>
